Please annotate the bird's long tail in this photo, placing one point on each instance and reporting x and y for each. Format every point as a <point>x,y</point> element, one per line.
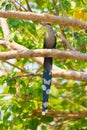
<point>47,76</point>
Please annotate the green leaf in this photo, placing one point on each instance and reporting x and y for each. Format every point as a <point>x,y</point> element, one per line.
<point>8,7</point>
<point>6,116</point>
<point>12,90</point>
<point>45,119</point>
<point>33,124</point>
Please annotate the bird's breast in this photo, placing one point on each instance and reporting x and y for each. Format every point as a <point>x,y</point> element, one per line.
<point>49,41</point>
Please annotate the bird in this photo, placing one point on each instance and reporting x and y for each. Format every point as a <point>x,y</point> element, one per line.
<point>49,43</point>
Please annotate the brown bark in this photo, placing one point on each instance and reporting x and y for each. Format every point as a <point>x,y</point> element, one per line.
<point>75,55</point>
<point>65,21</point>
<point>68,74</point>
<point>56,114</point>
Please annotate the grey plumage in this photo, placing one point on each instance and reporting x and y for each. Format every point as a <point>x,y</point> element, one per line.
<point>50,39</point>
<point>49,43</point>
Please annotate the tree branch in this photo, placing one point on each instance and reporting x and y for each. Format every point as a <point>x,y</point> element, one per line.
<point>56,8</point>
<point>64,41</point>
<point>16,5</point>
<point>68,74</point>
<point>56,114</point>
<point>75,55</point>
<point>15,66</point>
<point>5,28</point>
<point>28,6</point>
<point>65,21</point>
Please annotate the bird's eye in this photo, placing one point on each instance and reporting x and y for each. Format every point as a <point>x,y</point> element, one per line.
<point>48,24</point>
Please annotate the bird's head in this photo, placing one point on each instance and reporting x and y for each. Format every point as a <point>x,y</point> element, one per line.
<point>48,26</point>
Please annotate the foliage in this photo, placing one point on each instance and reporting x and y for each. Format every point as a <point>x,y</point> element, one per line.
<point>20,98</point>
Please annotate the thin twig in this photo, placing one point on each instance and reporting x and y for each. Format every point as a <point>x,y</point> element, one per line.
<point>25,75</point>
<point>56,8</point>
<point>22,69</point>
<point>28,6</point>
<point>16,5</point>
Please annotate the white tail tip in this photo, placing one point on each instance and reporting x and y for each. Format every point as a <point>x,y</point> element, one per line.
<point>44,112</point>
